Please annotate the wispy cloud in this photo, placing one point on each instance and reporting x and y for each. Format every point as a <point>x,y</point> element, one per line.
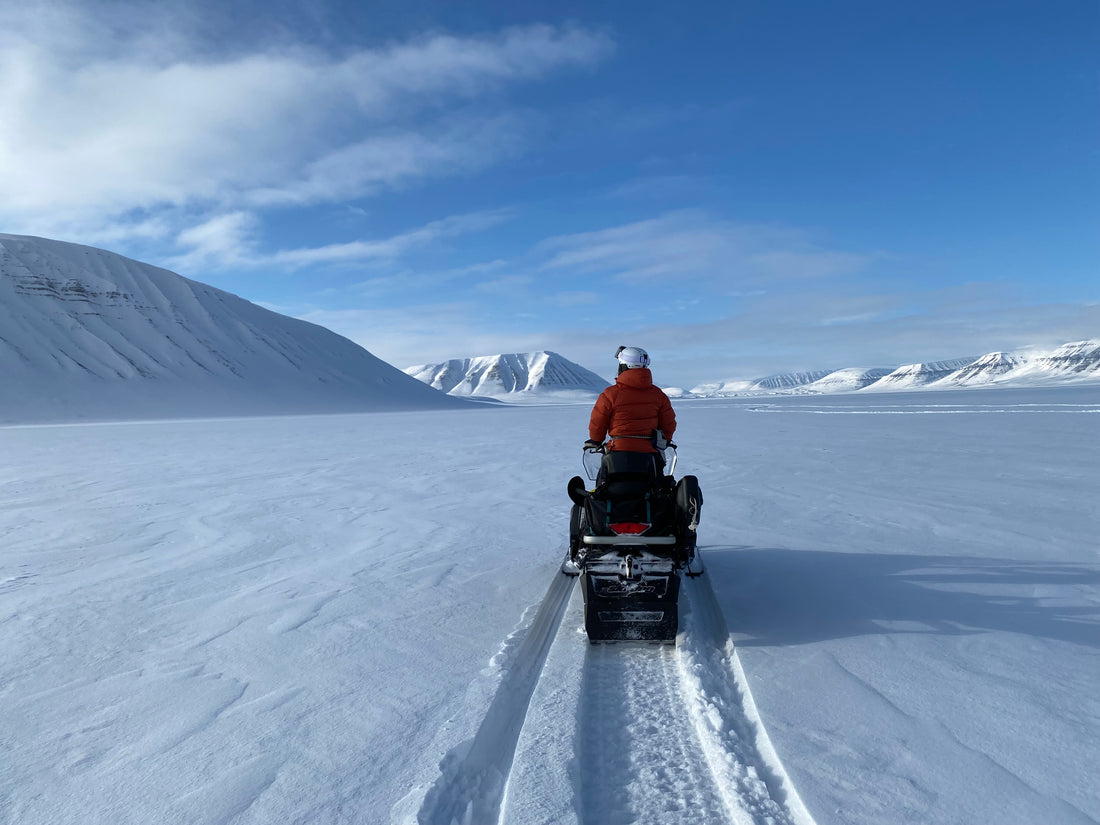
<point>389,247</point>
<point>576,298</point>
<point>99,122</point>
<point>224,240</point>
<point>227,240</point>
<point>457,146</point>
<point>690,245</point>
<point>431,333</point>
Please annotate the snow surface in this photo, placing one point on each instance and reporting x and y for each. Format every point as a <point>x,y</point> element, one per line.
<point>359,619</point>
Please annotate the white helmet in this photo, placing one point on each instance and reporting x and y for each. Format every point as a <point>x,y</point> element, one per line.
<point>632,357</point>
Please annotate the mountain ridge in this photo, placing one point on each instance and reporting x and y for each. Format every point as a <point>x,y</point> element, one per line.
<point>89,334</point>
<point>537,376</point>
<point>1074,362</point>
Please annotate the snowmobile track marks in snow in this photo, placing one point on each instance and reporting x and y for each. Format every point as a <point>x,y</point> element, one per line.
<point>660,734</point>
<point>640,758</point>
<point>743,763</point>
<point>671,735</point>
<point>474,775</point>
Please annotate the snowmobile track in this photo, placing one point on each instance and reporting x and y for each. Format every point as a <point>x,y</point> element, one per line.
<point>642,761</point>
<point>671,735</point>
<point>472,784</point>
<point>661,734</point>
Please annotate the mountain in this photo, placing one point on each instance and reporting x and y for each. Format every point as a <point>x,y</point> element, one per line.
<point>848,380</point>
<point>88,334</point>
<point>517,377</point>
<point>918,375</point>
<point>717,389</point>
<point>789,381</point>
<point>1079,359</point>
<point>986,370</point>
<point>1069,363</point>
<point>778,383</point>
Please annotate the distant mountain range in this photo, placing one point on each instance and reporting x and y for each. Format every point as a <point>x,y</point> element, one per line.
<point>86,334</point>
<point>547,376</point>
<point>517,377</point>
<point>1070,363</point>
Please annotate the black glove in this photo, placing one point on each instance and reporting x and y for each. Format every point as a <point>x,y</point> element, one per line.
<point>593,445</point>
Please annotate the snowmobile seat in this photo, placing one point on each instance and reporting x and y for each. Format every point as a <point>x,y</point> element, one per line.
<point>627,475</point>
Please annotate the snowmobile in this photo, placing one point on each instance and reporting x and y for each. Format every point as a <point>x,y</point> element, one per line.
<point>630,538</point>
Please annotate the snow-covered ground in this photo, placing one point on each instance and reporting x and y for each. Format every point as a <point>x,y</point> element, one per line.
<point>359,619</point>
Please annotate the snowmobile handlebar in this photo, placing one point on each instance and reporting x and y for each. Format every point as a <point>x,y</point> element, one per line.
<point>593,457</point>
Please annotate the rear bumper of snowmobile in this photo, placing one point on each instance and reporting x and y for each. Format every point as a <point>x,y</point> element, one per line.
<point>631,539</point>
<point>630,596</point>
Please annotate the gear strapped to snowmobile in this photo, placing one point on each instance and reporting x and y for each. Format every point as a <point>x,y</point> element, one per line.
<point>630,537</point>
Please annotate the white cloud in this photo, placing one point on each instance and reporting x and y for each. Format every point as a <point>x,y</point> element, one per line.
<point>97,126</point>
<point>690,245</point>
<point>458,146</point>
<point>220,241</point>
<point>430,333</point>
<point>442,63</point>
<point>576,298</point>
<point>516,286</point>
<point>228,240</point>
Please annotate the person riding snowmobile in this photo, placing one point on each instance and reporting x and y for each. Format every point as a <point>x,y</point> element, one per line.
<point>632,409</point>
<point>633,535</point>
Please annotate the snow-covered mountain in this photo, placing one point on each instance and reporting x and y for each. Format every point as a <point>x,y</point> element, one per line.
<point>780,382</point>
<point>790,380</point>
<point>717,389</point>
<point>919,375</point>
<point>848,380</point>
<point>986,370</point>
<point>1074,362</point>
<point>1080,359</point>
<point>516,377</point>
<point>1069,363</point>
<point>88,334</point>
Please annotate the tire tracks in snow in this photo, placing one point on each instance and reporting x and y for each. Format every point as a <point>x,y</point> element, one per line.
<point>659,734</point>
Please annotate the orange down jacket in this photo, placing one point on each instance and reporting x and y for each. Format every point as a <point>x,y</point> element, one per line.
<point>632,406</point>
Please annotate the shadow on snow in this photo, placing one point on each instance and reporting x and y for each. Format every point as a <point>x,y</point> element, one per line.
<point>779,596</point>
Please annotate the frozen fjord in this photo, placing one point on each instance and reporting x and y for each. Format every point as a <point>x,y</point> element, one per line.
<point>295,619</point>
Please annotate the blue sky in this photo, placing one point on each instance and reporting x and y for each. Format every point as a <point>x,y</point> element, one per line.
<point>740,187</point>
